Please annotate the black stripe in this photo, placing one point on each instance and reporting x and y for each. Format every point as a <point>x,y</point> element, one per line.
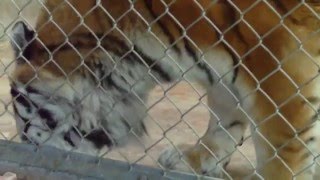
<point>115,45</point>
<point>47,116</point>
<point>99,138</point>
<point>283,10</point>
<point>25,130</point>
<point>226,164</point>
<point>21,99</point>
<point>233,54</point>
<point>30,90</point>
<point>310,140</point>
<point>201,65</point>
<point>234,123</point>
<point>111,83</point>
<point>14,92</point>
<point>28,51</point>
<point>235,63</point>
<point>84,40</point>
<point>163,27</point>
<point>68,139</point>
<point>236,69</point>
<point>153,64</point>
<point>23,43</point>
<point>144,128</point>
<point>26,127</point>
<point>280,6</point>
<point>15,110</point>
<point>241,141</point>
<point>24,138</point>
<point>28,34</point>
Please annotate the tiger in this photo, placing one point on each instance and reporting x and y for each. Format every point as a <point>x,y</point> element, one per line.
<point>83,75</point>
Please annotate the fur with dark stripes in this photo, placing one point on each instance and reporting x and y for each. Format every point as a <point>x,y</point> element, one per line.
<point>88,91</point>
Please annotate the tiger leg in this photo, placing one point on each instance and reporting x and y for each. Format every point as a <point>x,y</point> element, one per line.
<point>287,130</point>
<point>225,132</point>
<point>293,159</point>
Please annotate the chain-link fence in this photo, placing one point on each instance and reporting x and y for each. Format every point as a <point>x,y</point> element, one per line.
<point>121,81</point>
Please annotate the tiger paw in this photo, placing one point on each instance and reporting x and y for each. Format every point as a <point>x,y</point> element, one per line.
<point>197,159</point>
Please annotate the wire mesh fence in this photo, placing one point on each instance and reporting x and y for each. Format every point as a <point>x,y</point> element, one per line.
<point>127,89</point>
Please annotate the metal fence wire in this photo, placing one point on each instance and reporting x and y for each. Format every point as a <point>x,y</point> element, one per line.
<point>159,89</point>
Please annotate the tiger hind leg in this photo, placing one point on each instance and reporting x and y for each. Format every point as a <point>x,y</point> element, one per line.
<point>287,131</point>
<point>286,149</point>
<point>287,152</point>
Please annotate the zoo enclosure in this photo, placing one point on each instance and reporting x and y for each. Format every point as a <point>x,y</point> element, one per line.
<point>12,154</point>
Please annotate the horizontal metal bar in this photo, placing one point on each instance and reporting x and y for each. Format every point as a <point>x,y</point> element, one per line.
<point>31,162</point>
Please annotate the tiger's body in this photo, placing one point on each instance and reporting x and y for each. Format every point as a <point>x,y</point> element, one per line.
<point>88,91</point>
